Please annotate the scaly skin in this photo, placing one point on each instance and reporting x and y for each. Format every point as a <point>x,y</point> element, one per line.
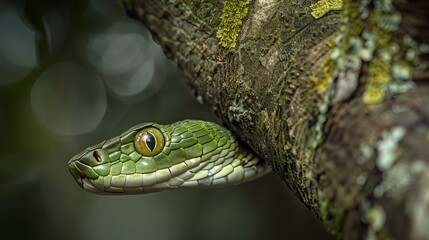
<point>192,153</point>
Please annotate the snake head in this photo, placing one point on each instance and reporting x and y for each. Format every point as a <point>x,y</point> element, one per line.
<point>118,164</point>
<point>113,165</point>
<point>151,157</point>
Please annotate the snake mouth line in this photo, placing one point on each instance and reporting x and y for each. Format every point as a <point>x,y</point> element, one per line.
<point>88,185</point>
<point>77,175</point>
<point>82,180</point>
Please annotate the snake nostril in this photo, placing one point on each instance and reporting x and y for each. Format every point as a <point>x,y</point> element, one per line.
<point>96,156</point>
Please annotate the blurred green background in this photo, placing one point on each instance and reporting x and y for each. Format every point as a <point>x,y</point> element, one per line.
<point>73,73</point>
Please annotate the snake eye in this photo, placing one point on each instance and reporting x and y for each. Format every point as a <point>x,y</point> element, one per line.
<point>149,141</point>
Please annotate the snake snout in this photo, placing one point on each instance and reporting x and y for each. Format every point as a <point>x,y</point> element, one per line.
<point>88,165</point>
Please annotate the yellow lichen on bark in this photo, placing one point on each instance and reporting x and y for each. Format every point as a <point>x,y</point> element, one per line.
<point>232,15</point>
<point>378,76</point>
<point>321,82</point>
<point>322,7</point>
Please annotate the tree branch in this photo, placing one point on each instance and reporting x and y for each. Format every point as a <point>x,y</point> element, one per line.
<point>329,102</point>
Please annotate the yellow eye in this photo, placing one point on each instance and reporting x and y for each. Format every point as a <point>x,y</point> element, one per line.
<point>149,141</point>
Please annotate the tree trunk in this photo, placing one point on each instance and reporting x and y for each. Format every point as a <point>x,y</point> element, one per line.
<point>335,100</point>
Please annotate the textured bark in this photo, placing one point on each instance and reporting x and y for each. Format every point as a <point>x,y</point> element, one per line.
<point>261,89</point>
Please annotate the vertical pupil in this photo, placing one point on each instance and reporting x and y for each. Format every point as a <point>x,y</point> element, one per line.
<point>150,141</point>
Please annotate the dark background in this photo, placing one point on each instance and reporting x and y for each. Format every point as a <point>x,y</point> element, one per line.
<point>73,73</point>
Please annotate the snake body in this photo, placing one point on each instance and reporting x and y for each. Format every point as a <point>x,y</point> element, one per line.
<point>152,157</point>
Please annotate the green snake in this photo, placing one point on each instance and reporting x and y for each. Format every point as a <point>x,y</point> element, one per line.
<point>151,157</point>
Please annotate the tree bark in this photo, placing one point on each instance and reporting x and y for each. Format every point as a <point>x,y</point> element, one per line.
<point>336,101</point>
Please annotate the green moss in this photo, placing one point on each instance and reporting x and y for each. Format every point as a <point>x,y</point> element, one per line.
<point>342,53</point>
<point>338,45</point>
<point>366,34</point>
<point>322,7</point>
<point>231,19</point>
<point>379,71</point>
<point>394,60</point>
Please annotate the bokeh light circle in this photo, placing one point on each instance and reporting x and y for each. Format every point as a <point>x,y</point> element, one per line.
<point>18,53</point>
<point>69,99</point>
<point>125,58</point>
<point>124,53</point>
